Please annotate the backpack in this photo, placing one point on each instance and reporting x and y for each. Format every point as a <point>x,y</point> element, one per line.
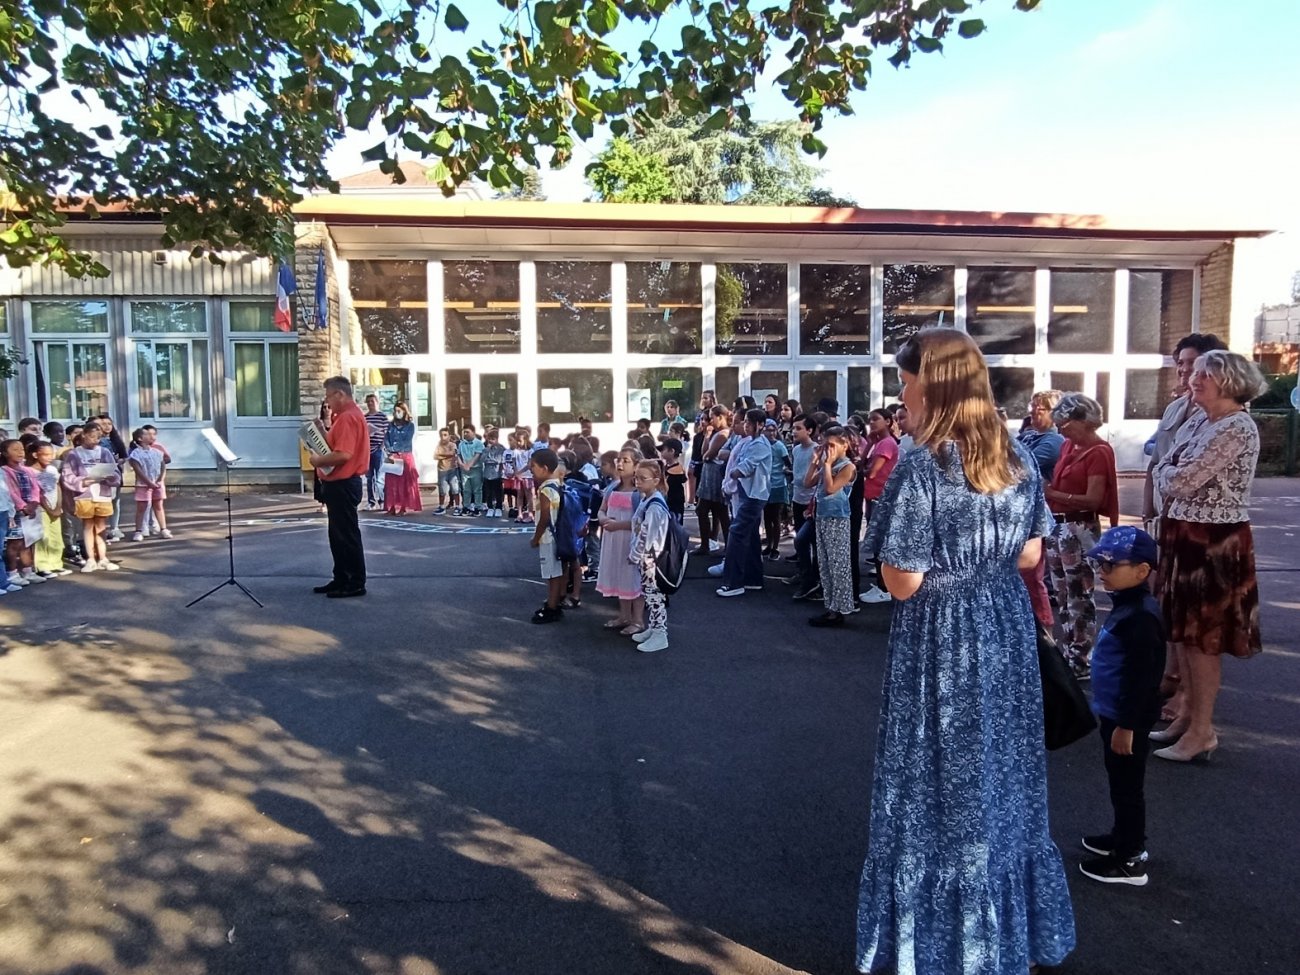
<point>670,563</point>
<point>570,524</point>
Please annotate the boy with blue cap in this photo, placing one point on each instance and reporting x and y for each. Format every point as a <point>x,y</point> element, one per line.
<point>1127,664</point>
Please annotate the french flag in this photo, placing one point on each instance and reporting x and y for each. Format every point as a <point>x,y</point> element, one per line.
<point>285,285</point>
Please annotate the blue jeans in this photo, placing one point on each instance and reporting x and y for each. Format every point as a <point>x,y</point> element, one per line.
<point>743,565</point>
<point>375,483</point>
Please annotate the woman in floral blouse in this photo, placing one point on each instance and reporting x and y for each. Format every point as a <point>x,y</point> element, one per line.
<point>1207,576</point>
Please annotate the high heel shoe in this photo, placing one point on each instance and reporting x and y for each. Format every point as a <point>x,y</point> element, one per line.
<point>1166,737</point>
<point>1171,754</point>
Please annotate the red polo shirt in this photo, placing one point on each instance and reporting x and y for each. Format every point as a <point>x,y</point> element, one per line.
<point>348,432</point>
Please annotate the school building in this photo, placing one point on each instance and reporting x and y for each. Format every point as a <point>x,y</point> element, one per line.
<point>504,312</point>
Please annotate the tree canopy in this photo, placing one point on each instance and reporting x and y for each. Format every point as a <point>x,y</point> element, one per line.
<point>218,116</point>
<point>683,160</point>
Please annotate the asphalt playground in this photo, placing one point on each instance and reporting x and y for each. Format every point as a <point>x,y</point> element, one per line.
<point>423,782</point>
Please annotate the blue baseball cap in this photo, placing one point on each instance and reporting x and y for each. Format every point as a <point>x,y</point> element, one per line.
<point>1125,544</point>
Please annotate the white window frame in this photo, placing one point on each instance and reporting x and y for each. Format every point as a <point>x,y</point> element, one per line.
<point>266,338</point>
<point>40,342</point>
<point>199,378</point>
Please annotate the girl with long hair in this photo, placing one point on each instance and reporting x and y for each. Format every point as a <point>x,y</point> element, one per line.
<point>710,505</point>
<point>961,874</point>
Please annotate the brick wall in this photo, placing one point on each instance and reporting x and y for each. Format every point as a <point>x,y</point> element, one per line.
<point>1216,291</point>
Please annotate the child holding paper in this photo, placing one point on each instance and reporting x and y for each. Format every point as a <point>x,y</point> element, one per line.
<point>90,474</point>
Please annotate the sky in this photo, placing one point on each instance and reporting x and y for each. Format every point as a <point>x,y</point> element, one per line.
<point>1151,107</point>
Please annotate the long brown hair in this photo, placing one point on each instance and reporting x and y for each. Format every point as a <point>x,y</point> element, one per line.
<point>954,386</point>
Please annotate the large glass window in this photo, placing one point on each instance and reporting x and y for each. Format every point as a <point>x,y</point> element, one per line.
<point>71,379</point>
<point>1083,311</point>
<point>69,317</point>
<point>169,317</point>
<point>1067,382</point>
<point>1012,389</point>
<point>1159,309</point>
<point>564,395</point>
<point>460,408</point>
<point>764,381</point>
<point>1000,309</point>
<point>252,316</point>
<point>498,399</point>
<point>1147,393</point>
<point>726,383</point>
<point>835,309</point>
<point>681,385</point>
<point>171,374</point>
<point>751,310</point>
<point>573,307</point>
<point>859,392</point>
<point>917,296</point>
<point>391,302</point>
<point>480,306</point>
<point>266,378</point>
<point>817,386</point>
<point>664,307</point>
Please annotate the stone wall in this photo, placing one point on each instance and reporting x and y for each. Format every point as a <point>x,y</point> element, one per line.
<point>318,348</point>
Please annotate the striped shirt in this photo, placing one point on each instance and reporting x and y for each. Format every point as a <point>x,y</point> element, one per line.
<point>378,424</point>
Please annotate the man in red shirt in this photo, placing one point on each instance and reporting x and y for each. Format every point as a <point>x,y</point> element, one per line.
<point>341,489</point>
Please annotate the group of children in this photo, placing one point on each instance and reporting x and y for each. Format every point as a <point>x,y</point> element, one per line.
<point>60,499</point>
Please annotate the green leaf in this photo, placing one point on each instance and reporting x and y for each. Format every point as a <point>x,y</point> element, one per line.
<point>602,17</point>
<point>454,19</point>
<point>970,28</point>
<point>358,114</point>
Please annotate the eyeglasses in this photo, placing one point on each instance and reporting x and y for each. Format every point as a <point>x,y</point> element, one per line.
<point>1108,565</point>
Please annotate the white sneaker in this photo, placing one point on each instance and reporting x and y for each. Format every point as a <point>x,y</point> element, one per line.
<point>727,593</point>
<point>642,636</point>
<point>875,595</point>
<point>90,566</point>
<point>138,537</point>
<point>115,536</point>
<point>34,578</point>
<point>16,580</point>
<point>715,546</point>
<point>658,641</point>
<point>716,570</point>
<point>108,566</point>
<point>10,587</point>
<point>166,533</point>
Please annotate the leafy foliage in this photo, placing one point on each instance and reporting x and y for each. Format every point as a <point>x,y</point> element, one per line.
<point>530,189</point>
<point>685,160</point>
<point>218,115</point>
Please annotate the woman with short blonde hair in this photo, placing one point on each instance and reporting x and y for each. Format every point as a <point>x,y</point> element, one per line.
<point>962,874</point>
<point>1207,575</point>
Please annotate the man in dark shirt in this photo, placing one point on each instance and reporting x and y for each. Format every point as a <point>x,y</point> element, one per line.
<point>347,461</point>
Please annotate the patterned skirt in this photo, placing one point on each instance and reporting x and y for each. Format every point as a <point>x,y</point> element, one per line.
<point>1207,587</point>
<point>710,484</point>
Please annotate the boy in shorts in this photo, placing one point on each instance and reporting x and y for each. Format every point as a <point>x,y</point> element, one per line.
<point>543,464</point>
<point>448,474</point>
<point>1127,664</point>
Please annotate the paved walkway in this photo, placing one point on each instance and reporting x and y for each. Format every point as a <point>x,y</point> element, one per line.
<point>421,782</point>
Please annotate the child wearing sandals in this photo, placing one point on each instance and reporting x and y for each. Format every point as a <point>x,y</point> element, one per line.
<point>649,534</point>
<point>617,576</point>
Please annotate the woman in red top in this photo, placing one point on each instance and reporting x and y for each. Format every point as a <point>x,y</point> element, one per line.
<point>1084,489</point>
<point>881,457</point>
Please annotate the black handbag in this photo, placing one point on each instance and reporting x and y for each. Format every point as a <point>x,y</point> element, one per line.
<point>1067,716</point>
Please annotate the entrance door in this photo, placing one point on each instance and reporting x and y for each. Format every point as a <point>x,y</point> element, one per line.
<point>413,388</point>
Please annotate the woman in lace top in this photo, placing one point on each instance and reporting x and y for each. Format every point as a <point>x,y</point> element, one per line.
<point>1207,578</point>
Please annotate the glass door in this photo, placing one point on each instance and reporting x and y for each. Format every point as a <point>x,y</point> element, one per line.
<point>72,380</point>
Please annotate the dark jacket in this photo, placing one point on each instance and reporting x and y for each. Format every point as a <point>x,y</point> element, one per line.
<point>1129,660</point>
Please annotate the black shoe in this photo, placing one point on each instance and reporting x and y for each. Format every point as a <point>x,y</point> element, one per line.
<point>548,614</point>
<point>1116,870</point>
<point>327,588</point>
<point>1102,844</point>
<point>346,593</point>
<point>813,592</point>
<point>827,619</point>
<point>792,558</point>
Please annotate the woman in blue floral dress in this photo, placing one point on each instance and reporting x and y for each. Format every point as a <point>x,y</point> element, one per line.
<point>961,877</point>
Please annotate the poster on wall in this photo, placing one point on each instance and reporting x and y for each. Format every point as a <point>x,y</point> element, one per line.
<point>388,396</point>
<point>557,400</point>
<point>638,404</point>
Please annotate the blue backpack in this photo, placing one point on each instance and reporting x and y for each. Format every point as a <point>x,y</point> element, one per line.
<point>569,527</point>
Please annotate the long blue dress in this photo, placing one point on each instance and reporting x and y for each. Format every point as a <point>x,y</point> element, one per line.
<point>961,877</point>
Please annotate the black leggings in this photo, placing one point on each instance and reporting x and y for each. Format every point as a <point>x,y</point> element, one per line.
<point>493,492</point>
<point>773,514</point>
<point>714,518</point>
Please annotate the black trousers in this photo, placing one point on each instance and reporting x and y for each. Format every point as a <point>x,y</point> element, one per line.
<point>493,492</point>
<point>1126,774</point>
<point>856,494</point>
<point>341,499</point>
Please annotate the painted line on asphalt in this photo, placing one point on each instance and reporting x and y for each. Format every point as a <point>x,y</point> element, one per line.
<point>400,526</point>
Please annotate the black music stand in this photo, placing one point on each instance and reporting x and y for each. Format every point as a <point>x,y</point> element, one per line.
<point>227,459</point>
